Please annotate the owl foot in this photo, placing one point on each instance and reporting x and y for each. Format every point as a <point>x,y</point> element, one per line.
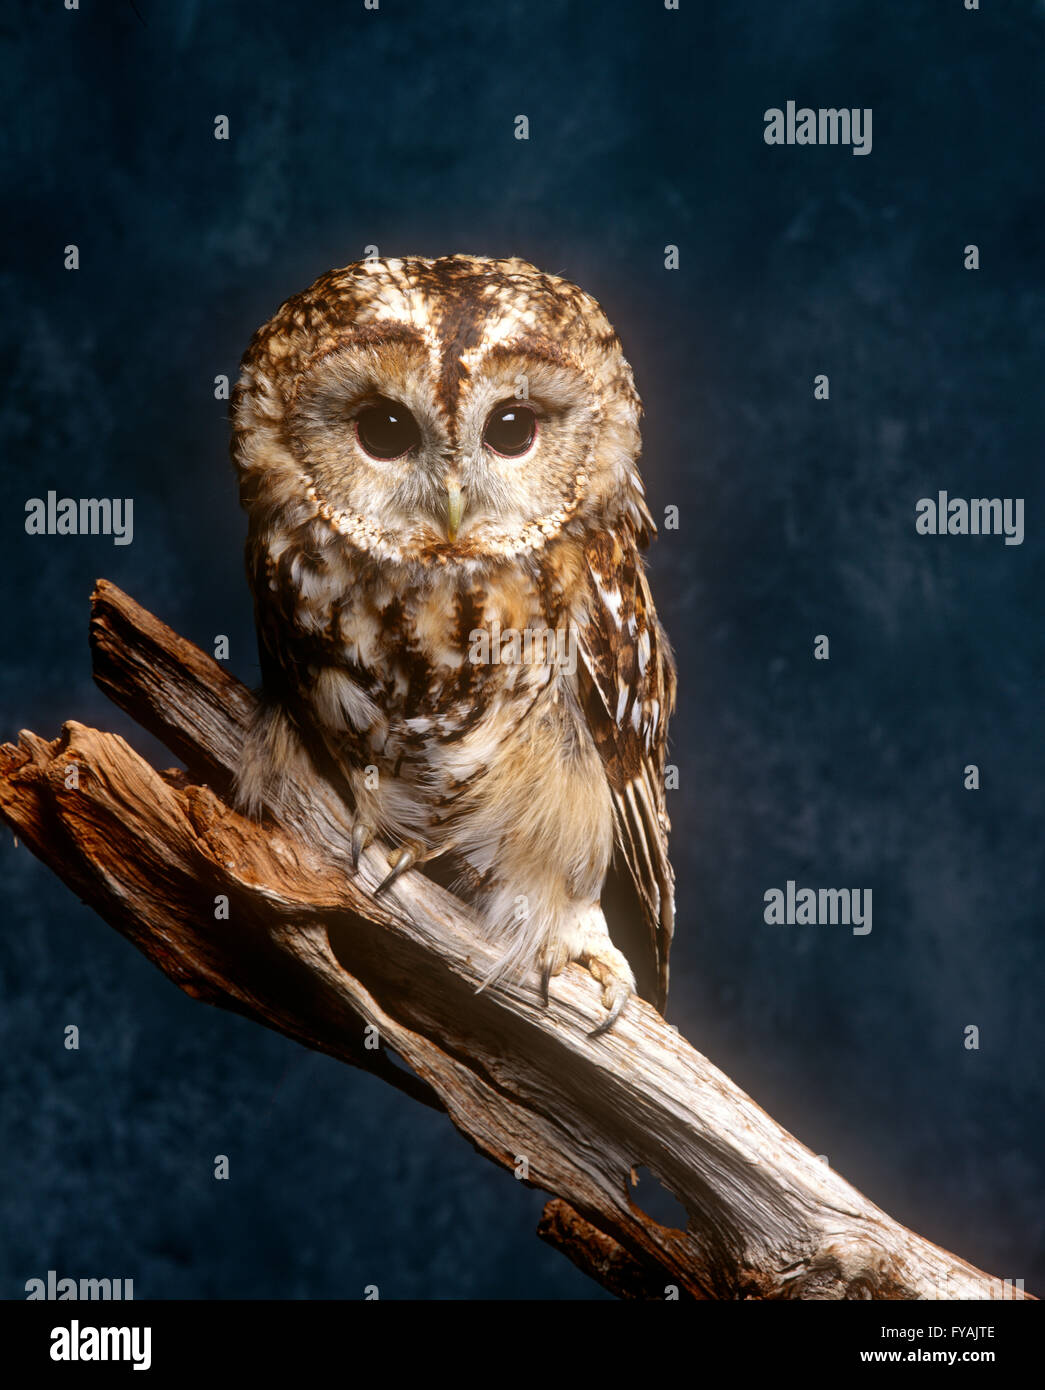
<point>602,960</point>
<point>405,857</point>
<point>553,962</point>
<point>362,836</point>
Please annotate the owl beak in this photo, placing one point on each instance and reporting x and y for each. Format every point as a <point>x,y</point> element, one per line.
<point>454,508</point>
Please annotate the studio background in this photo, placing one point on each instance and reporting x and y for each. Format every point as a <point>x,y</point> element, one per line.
<point>395,128</point>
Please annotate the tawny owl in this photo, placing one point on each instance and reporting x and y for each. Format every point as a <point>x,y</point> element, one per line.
<point>438,462</point>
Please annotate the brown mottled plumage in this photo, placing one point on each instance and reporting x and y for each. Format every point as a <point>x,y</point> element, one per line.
<point>388,589</point>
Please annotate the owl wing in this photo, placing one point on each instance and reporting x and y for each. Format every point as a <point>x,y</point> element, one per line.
<point>286,655</point>
<point>281,654</point>
<point>627,686</point>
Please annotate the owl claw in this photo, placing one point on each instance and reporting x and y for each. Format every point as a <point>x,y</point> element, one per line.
<point>610,968</point>
<point>554,963</point>
<point>362,836</point>
<point>546,979</point>
<point>401,859</point>
<point>619,996</point>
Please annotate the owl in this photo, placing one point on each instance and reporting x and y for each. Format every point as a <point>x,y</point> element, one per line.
<point>437,458</point>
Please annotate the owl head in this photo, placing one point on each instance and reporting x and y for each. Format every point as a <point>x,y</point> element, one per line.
<point>448,411</point>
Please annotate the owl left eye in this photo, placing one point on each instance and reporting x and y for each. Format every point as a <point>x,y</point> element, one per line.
<point>387,430</point>
<point>510,430</point>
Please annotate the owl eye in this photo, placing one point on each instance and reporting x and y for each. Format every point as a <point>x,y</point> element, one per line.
<point>510,429</point>
<point>386,429</point>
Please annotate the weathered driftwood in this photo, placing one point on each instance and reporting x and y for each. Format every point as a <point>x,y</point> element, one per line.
<point>307,949</point>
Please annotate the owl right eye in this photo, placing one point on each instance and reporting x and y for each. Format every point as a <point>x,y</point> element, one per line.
<point>386,430</point>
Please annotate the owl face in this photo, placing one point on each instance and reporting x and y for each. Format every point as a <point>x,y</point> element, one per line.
<point>448,409</point>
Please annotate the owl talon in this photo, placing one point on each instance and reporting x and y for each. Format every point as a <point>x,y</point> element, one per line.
<point>554,963</point>
<point>618,996</point>
<point>401,859</point>
<point>362,836</point>
<point>610,968</point>
<point>546,979</point>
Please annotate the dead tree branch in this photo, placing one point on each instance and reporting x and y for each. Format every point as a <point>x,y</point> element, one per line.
<point>307,949</point>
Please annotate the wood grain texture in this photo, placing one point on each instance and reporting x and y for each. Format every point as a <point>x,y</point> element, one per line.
<point>308,950</point>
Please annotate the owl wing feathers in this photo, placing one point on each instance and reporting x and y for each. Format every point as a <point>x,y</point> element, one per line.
<point>628,692</point>
<point>282,646</point>
<point>286,654</point>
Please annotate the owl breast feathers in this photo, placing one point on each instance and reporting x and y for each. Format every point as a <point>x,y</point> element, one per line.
<point>438,462</point>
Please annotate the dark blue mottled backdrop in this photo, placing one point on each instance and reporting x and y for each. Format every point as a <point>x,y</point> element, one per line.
<point>395,128</point>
